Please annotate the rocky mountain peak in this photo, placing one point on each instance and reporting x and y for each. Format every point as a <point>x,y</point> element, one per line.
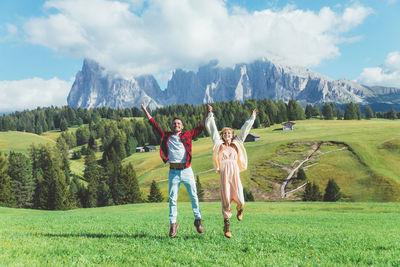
<point>95,87</point>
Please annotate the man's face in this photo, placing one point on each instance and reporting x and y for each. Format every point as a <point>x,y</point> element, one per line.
<point>177,126</point>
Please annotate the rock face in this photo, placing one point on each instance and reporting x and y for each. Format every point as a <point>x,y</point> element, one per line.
<point>95,88</point>
<point>260,79</point>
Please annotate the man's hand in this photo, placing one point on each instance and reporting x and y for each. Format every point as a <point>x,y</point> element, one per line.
<point>146,113</point>
<point>209,109</point>
<point>255,112</point>
<point>143,106</point>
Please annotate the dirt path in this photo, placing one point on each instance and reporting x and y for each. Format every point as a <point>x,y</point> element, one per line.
<point>315,152</point>
<point>286,188</point>
<point>289,177</point>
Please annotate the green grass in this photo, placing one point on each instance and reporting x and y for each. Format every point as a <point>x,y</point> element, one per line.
<point>20,141</point>
<point>54,134</point>
<point>271,234</point>
<point>368,172</point>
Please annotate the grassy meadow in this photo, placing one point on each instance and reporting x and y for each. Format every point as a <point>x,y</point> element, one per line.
<point>362,156</point>
<point>368,170</point>
<point>271,234</point>
<point>20,141</point>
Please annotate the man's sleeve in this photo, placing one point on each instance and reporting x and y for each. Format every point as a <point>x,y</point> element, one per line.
<point>156,127</point>
<point>197,131</point>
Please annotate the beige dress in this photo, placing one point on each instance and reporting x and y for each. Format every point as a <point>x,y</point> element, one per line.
<point>230,184</point>
<point>229,161</point>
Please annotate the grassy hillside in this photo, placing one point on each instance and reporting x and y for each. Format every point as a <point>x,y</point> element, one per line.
<point>361,156</point>
<point>20,141</point>
<point>271,234</point>
<point>367,170</point>
<point>54,134</point>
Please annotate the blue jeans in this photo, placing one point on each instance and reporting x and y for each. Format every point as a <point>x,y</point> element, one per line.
<point>185,176</point>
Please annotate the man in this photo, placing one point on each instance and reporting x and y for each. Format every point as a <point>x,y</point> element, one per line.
<point>176,149</point>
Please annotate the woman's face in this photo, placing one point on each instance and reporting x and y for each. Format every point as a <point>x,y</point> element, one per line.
<point>227,136</point>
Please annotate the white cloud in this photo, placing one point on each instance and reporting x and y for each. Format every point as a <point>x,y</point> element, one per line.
<point>388,74</point>
<point>34,92</point>
<point>156,36</point>
<point>11,32</point>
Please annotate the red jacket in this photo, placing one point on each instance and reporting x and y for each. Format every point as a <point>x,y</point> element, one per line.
<point>185,136</point>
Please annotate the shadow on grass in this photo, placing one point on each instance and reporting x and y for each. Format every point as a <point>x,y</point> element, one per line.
<point>105,236</point>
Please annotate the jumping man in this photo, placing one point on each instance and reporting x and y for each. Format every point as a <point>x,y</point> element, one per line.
<point>176,149</point>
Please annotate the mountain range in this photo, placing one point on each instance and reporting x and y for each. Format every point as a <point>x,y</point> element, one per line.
<point>95,87</point>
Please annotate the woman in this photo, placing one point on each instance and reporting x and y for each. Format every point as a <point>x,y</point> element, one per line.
<point>229,158</point>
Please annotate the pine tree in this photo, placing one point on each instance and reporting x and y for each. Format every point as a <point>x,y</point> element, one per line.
<point>73,193</point>
<point>352,112</point>
<point>155,193</point>
<point>112,170</point>
<point>6,195</point>
<point>104,197</point>
<point>307,192</point>
<point>316,193</point>
<point>309,111</point>
<point>63,125</point>
<point>332,191</point>
<point>282,112</point>
<point>316,111</point>
<point>248,195</point>
<point>91,175</point>
<point>82,135</point>
<point>339,114</point>
<point>62,150</point>
<point>131,145</point>
<point>130,186</point>
<point>368,113</point>
<point>61,195</point>
<point>37,174</point>
<point>295,111</point>
<point>358,112</point>
<point>327,112</point>
<point>51,189</point>
<point>301,175</point>
<point>312,193</point>
<point>23,185</point>
<point>200,191</point>
<point>92,143</point>
<point>392,115</point>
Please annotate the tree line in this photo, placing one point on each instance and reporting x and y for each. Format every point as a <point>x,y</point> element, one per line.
<point>43,180</point>
<point>232,113</point>
<point>313,193</point>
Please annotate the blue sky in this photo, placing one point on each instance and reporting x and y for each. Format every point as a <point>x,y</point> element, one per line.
<point>43,43</point>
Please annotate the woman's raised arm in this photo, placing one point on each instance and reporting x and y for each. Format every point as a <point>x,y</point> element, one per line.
<point>244,131</point>
<point>211,126</point>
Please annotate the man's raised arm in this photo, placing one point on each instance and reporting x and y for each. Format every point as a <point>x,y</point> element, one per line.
<point>143,106</point>
<point>199,129</point>
<point>152,122</point>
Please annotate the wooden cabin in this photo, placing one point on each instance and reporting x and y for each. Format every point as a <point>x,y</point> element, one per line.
<point>252,138</point>
<point>288,126</point>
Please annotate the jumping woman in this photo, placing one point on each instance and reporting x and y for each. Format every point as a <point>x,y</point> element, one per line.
<point>229,158</point>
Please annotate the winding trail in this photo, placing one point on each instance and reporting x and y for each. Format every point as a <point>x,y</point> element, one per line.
<point>289,177</point>
<point>283,192</point>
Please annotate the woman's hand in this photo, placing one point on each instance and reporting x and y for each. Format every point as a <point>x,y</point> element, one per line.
<point>209,108</point>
